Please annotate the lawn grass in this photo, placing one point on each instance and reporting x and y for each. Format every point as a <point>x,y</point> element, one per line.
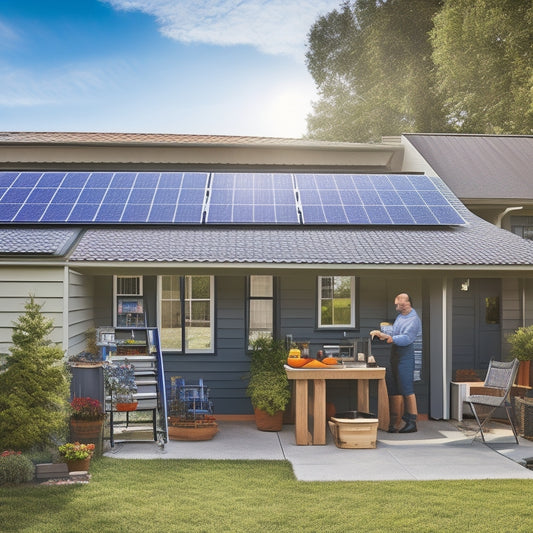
<point>258,496</point>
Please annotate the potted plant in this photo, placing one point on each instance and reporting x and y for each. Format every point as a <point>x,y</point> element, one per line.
<point>190,412</point>
<point>268,387</point>
<point>119,380</point>
<point>521,342</point>
<point>76,455</point>
<point>86,418</point>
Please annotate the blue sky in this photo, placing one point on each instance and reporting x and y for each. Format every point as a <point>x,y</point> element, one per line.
<point>224,67</point>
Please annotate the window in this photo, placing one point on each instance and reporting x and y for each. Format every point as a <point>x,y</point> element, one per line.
<point>522,226</point>
<point>336,302</point>
<point>129,308</point>
<point>260,307</point>
<point>186,313</point>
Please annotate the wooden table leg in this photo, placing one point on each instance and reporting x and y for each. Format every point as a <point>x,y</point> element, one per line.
<point>363,392</point>
<point>319,411</point>
<point>301,414</point>
<point>383,405</point>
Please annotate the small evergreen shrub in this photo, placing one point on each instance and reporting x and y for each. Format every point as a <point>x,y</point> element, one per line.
<point>15,468</point>
<point>34,385</point>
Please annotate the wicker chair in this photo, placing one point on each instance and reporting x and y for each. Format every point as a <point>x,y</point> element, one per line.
<point>500,378</point>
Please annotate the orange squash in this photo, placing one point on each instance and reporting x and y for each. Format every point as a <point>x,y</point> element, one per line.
<point>315,364</point>
<point>296,362</point>
<point>329,360</point>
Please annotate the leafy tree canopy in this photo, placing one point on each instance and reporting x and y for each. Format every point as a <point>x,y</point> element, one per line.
<point>386,67</point>
<point>483,53</point>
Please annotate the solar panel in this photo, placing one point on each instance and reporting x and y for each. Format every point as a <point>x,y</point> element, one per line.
<point>373,199</point>
<point>252,198</point>
<point>223,198</point>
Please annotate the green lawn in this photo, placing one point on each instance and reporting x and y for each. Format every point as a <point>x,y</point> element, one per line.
<point>259,496</point>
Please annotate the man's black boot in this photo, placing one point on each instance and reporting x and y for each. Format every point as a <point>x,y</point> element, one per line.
<point>410,424</point>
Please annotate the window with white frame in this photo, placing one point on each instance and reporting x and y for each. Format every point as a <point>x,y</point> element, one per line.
<point>336,301</point>
<point>129,306</point>
<point>260,307</point>
<point>186,316</point>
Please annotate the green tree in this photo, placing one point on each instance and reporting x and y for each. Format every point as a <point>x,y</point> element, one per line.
<point>483,52</point>
<point>34,386</point>
<point>371,61</point>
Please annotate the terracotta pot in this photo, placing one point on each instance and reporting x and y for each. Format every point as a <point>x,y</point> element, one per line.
<point>81,430</point>
<point>266,422</point>
<point>126,406</point>
<point>193,432</point>
<point>79,465</point>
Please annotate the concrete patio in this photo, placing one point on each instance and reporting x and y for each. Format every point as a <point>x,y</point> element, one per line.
<point>439,450</point>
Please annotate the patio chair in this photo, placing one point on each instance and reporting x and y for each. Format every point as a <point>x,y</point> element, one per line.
<point>499,380</point>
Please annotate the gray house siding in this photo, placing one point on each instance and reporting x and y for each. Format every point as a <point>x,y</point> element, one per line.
<point>80,310</point>
<point>17,283</point>
<point>225,371</point>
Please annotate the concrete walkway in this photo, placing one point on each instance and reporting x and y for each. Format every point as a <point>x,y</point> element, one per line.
<point>439,450</point>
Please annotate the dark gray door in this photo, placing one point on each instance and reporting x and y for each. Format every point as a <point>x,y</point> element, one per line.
<point>476,323</point>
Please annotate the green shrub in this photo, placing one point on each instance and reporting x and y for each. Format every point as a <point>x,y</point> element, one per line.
<point>521,342</point>
<point>15,468</point>
<point>34,386</point>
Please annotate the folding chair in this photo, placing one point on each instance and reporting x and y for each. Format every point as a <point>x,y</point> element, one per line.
<point>500,378</point>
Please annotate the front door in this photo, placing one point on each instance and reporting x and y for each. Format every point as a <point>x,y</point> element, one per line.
<point>476,323</point>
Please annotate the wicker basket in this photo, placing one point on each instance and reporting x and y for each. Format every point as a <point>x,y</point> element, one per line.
<point>524,416</point>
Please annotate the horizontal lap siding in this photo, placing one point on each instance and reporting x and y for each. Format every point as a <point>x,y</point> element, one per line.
<point>224,372</point>
<point>16,286</point>
<point>81,311</point>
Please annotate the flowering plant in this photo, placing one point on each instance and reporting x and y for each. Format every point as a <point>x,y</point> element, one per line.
<point>73,451</point>
<point>7,453</point>
<point>119,380</point>
<point>86,409</point>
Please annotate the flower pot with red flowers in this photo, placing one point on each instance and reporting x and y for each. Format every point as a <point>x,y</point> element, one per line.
<point>86,419</point>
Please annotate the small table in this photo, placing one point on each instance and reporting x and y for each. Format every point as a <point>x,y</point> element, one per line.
<point>310,401</point>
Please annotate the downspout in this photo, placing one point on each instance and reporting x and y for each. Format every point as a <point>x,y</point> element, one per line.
<point>498,222</point>
<point>445,394</point>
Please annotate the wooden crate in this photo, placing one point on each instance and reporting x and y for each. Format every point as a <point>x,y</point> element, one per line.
<point>354,433</point>
<point>524,416</point>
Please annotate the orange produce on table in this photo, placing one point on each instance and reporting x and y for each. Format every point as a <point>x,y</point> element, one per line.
<point>315,364</point>
<point>329,361</point>
<point>297,362</point>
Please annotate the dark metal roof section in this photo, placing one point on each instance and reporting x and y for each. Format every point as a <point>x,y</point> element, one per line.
<point>480,166</point>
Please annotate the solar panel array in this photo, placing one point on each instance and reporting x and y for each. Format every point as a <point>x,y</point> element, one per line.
<point>222,198</point>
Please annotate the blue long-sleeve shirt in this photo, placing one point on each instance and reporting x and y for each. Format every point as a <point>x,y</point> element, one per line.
<point>406,329</point>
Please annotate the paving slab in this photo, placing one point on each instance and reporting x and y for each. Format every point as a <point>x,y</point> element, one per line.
<point>439,450</point>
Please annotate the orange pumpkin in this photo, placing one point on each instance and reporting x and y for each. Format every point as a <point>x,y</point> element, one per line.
<point>296,362</point>
<point>329,360</point>
<point>315,364</point>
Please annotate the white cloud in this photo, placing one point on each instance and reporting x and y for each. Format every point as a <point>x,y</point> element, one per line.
<point>20,87</point>
<point>272,26</point>
<point>8,35</point>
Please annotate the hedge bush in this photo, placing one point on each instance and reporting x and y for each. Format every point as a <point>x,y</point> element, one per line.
<point>15,468</point>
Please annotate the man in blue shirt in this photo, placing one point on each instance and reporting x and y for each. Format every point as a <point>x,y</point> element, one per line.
<point>405,330</point>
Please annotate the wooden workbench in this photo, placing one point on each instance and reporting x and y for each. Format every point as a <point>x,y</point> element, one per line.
<point>310,398</point>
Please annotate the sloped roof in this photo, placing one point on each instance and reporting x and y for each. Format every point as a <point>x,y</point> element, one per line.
<point>478,243</point>
<point>55,242</point>
<point>480,166</point>
<point>116,138</point>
